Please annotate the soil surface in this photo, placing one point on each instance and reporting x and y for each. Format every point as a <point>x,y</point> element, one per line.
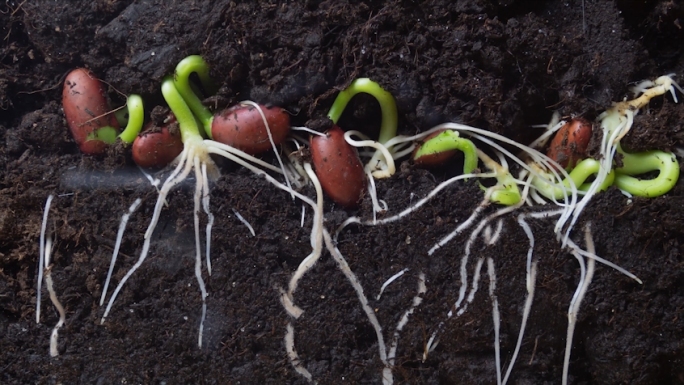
<point>499,65</point>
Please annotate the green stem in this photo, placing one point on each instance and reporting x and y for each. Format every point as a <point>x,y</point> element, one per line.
<point>181,79</point>
<point>136,117</point>
<point>582,171</point>
<point>450,140</point>
<point>388,107</point>
<point>635,164</point>
<point>184,117</point>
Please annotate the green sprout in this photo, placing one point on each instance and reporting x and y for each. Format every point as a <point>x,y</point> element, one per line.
<point>505,191</point>
<point>579,175</point>
<point>450,140</point>
<point>640,163</point>
<point>181,80</point>
<point>136,118</point>
<point>182,110</point>
<point>388,107</point>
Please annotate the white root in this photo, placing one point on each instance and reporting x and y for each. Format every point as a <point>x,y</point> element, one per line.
<point>468,222</point>
<point>54,336</point>
<point>199,191</point>
<point>316,242</point>
<point>389,281</point>
<point>531,279</point>
<point>586,275</point>
<point>177,176</point>
<point>496,317</point>
<point>244,222</point>
<point>554,125</point>
<point>412,208</point>
<point>117,246</point>
<point>370,313</point>
<point>376,167</point>
<point>41,255</point>
<point>387,376</point>
<point>45,270</point>
<point>292,353</point>
<point>372,192</point>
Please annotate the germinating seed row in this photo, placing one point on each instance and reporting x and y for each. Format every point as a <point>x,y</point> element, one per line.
<point>561,181</point>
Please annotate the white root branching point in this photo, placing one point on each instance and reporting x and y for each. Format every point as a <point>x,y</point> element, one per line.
<point>387,356</point>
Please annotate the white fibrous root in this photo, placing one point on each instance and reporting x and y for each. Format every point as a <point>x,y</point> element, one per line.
<point>45,271</point>
<point>117,246</point>
<point>54,336</point>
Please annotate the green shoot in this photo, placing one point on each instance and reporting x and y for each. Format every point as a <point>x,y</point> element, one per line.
<point>136,117</point>
<point>182,110</point>
<point>181,79</point>
<point>450,140</point>
<point>582,171</point>
<point>388,107</point>
<point>635,164</point>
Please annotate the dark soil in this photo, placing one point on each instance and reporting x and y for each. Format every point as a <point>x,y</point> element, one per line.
<point>499,65</point>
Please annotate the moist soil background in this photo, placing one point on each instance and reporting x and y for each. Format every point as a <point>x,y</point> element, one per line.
<point>501,65</point>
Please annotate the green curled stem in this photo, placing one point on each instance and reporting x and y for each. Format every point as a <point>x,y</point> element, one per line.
<point>506,191</point>
<point>579,175</point>
<point>450,140</point>
<point>179,107</point>
<point>640,163</point>
<point>181,79</point>
<point>388,107</point>
<point>136,118</point>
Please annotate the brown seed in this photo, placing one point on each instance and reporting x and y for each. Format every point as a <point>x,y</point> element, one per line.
<point>243,127</point>
<point>86,109</point>
<point>338,167</point>
<point>569,146</point>
<point>156,147</point>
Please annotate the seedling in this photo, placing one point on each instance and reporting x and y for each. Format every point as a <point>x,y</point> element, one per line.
<point>505,191</point>
<point>91,121</point>
<point>636,164</point>
<point>249,127</point>
<point>336,162</point>
<point>196,157</point>
<point>446,142</point>
<point>615,124</point>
